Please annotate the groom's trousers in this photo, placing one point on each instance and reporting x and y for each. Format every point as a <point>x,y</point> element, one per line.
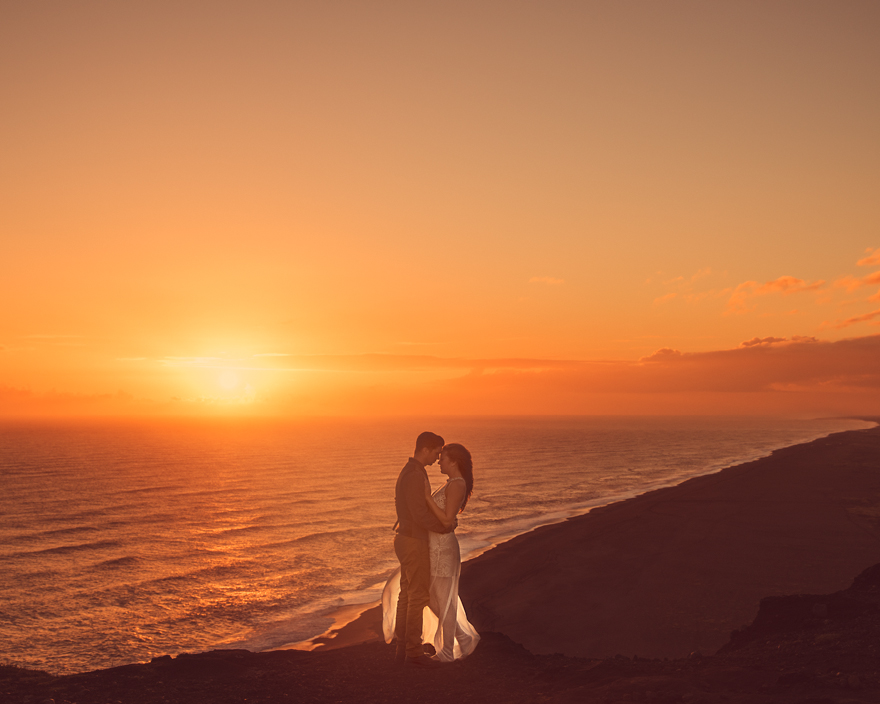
<point>415,579</point>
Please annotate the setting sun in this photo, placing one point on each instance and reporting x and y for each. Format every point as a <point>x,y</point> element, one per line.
<point>228,380</point>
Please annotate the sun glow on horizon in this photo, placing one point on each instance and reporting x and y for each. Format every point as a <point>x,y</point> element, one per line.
<point>228,379</point>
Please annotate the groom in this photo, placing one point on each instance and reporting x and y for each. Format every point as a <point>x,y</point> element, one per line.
<point>411,546</point>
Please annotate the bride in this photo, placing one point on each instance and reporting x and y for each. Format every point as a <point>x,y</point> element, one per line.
<point>445,623</point>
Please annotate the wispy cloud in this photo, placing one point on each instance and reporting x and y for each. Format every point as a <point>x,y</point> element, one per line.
<point>684,287</point>
<point>851,283</point>
<point>785,285</point>
<point>873,258</point>
<point>272,354</point>
<point>367,363</point>
<point>683,281</point>
<point>852,321</point>
<point>701,274</point>
<point>663,299</point>
<point>171,361</point>
<point>547,280</point>
<point>662,355</point>
<point>762,341</point>
<point>415,363</point>
<point>788,285</point>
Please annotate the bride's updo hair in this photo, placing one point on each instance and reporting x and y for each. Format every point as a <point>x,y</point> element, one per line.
<point>459,454</point>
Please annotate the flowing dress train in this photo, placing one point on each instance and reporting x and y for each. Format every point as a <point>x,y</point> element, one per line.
<point>444,623</point>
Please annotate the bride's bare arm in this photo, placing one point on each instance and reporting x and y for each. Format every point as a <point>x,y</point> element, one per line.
<point>444,517</point>
<point>454,496</point>
<point>435,509</point>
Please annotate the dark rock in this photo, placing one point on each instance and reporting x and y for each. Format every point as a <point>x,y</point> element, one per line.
<point>792,653</point>
<point>853,682</point>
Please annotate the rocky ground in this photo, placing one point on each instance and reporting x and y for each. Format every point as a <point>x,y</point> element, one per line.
<point>799,649</point>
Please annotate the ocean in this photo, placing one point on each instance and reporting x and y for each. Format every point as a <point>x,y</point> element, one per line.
<point>123,541</point>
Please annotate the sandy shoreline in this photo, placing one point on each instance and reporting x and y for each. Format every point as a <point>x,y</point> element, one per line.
<point>523,561</point>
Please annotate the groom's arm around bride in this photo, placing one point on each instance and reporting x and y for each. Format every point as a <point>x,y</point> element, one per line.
<point>415,520</point>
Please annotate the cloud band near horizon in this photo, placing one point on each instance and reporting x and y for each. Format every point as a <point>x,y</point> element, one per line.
<point>795,373</point>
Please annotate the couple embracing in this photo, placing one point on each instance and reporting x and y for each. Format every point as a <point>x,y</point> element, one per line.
<point>430,559</point>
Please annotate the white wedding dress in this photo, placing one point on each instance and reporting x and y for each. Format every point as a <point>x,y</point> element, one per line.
<point>444,622</point>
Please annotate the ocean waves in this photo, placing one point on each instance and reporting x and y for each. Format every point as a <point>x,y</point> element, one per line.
<point>121,546</point>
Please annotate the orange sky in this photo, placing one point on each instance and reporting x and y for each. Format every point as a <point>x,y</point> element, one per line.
<point>451,207</point>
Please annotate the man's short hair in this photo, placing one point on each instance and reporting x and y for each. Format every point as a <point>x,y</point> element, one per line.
<point>429,440</point>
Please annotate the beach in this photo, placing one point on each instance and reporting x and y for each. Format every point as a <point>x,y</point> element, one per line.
<point>646,590</point>
<point>674,571</point>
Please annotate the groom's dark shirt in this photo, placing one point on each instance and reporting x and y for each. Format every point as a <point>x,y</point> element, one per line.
<point>415,518</point>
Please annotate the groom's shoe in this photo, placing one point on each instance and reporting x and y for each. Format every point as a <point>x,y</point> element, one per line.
<point>400,652</point>
<point>423,661</point>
